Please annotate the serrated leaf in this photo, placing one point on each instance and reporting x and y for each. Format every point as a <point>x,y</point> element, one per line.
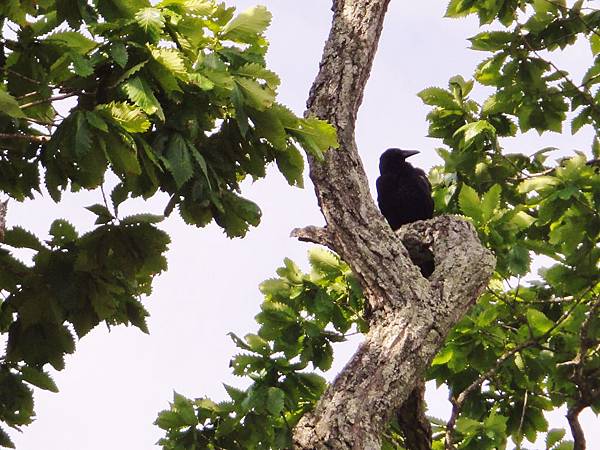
<point>248,24</point>
<point>151,21</point>
<point>291,164</point>
<point>9,105</point>
<point>595,43</point>
<point>538,321</point>
<point>257,344</point>
<point>554,436</point>
<point>469,202</point>
<point>436,96</point>
<point>39,378</point>
<point>323,260</point>
<point>83,138</point>
<point>471,130</point>
<point>73,40</point>
<point>170,59</point>
<point>104,215</point>
<point>81,65</point>
<point>178,160</point>
<point>539,183</point>
<point>169,420</point>
<point>237,395</point>
<point>254,70</point>
<point>490,202</point>
<point>118,52</point>
<point>141,94</point>
<point>5,440</point>
<point>491,40</point>
<point>255,95</point>
<point>129,117</point>
<point>275,398</point>
<point>315,136</point>
<point>19,237</point>
<point>519,260</point>
<point>95,120</point>
<point>62,232</point>
<point>142,218</point>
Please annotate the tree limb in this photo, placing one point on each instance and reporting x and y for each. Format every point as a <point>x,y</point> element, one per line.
<point>410,315</point>
<point>3,208</point>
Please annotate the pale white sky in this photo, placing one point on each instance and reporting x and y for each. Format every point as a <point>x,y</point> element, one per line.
<point>115,383</point>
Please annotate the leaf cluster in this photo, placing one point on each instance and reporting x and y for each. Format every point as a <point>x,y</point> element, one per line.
<point>301,316</point>
<point>171,96</point>
<point>74,283</point>
<point>527,347</point>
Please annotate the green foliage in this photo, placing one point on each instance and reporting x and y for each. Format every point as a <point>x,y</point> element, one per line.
<point>172,97</point>
<point>301,316</point>
<point>526,347</point>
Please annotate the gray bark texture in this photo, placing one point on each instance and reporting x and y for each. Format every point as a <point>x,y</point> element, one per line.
<point>3,209</point>
<point>410,316</point>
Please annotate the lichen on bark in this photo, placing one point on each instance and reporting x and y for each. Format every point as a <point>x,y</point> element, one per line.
<point>410,316</point>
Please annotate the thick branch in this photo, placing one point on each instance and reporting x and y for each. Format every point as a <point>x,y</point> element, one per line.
<point>3,208</point>
<point>410,315</point>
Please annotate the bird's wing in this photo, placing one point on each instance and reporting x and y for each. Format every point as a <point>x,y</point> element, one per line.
<point>423,180</point>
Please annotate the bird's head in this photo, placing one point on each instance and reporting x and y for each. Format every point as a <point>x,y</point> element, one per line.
<point>394,159</point>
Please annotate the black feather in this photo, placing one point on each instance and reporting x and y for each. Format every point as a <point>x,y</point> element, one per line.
<point>403,191</point>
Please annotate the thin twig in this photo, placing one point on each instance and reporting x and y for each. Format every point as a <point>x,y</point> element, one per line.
<point>25,137</point>
<point>48,100</point>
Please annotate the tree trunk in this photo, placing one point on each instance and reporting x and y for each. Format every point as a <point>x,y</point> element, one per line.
<point>410,316</point>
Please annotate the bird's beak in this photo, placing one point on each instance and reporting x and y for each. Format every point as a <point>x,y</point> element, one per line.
<point>407,153</point>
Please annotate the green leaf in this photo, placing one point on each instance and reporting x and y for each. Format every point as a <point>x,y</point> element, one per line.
<point>247,25</point>
<point>443,356</point>
<point>291,165</point>
<point>257,96</point>
<point>538,321</point>
<point>118,53</point>
<point>81,65</point>
<point>39,378</point>
<point>104,215</point>
<point>130,118</point>
<point>142,218</point>
<point>21,238</point>
<point>323,260</point>
<point>315,136</point>
<point>73,40</point>
<point>275,397</point>
<point>178,160</point>
<point>436,96</point>
<point>170,59</point>
<point>538,183</point>
<point>474,129</point>
<point>491,40</point>
<point>254,70</point>
<point>151,21</point>
<point>595,43</point>
<point>469,203</point>
<point>554,436</point>
<point>83,138</point>
<point>5,440</point>
<point>518,260</point>
<point>490,202</point>
<point>62,233</point>
<point>141,94</point>
<point>9,105</point>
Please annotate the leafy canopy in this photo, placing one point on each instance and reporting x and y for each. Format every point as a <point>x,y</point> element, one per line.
<point>171,97</point>
<point>527,347</point>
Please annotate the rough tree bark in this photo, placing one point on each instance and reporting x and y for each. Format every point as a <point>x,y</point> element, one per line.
<point>3,208</point>
<point>410,316</point>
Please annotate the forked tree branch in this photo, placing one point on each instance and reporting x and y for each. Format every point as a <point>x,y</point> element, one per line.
<point>410,315</point>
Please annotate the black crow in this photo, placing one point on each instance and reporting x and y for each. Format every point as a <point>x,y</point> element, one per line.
<point>403,191</point>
